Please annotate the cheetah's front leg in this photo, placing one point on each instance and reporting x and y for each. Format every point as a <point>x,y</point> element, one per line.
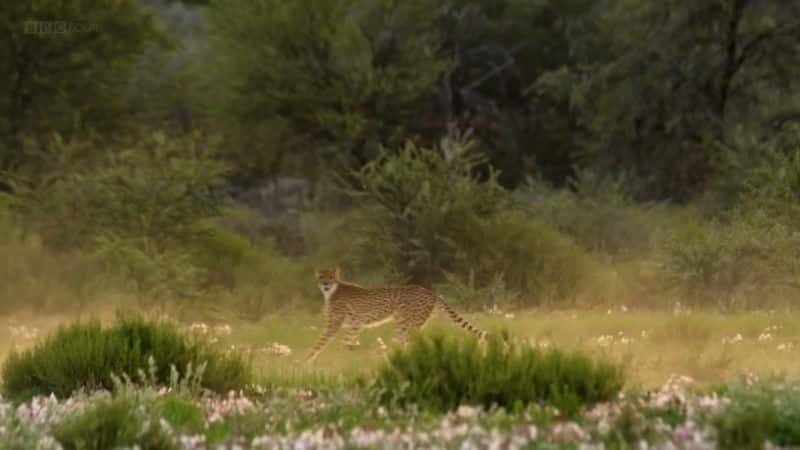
<point>334,323</point>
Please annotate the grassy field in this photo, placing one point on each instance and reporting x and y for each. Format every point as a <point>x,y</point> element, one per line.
<point>708,347</point>
<point>695,380</point>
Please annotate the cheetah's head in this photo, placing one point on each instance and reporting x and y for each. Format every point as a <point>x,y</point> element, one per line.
<point>328,280</point>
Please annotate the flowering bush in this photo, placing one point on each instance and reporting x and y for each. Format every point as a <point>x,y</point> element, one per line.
<point>676,416</point>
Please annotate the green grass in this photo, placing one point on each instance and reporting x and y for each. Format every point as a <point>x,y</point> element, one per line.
<point>760,413</point>
<point>687,344</point>
<point>114,423</point>
<point>182,412</point>
<point>441,373</point>
<point>652,344</point>
<point>325,398</point>
<point>86,355</point>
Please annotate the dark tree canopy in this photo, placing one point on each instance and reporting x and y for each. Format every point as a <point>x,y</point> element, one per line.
<point>63,65</point>
<point>641,90</point>
<point>684,73</point>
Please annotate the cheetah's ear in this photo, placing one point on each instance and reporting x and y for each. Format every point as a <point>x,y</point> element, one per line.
<point>337,273</point>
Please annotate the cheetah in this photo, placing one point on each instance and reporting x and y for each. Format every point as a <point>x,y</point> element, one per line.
<point>355,307</point>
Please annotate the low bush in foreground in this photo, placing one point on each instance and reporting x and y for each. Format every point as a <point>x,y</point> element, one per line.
<point>113,423</point>
<point>677,415</point>
<point>86,355</point>
<point>441,374</point>
<point>760,413</point>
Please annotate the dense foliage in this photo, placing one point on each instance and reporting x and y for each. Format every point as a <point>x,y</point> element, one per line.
<point>64,65</point>
<point>189,148</point>
<point>429,215</point>
<point>305,86</point>
<point>114,423</point>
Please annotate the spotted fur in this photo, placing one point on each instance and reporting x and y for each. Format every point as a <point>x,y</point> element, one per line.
<point>354,308</point>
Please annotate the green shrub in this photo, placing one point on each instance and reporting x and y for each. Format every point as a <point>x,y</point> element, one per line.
<point>85,355</point>
<point>726,263</point>
<point>155,190</point>
<point>531,257</point>
<point>429,215</point>
<point>145,211</point>
<point>761,174</point>
<point>181,412</point>
<point>424,204</point>
<point>760,413</point>
<point>18,433</point>
<point>597,212</point>
<point>112,423</point>
<point>466,292</point>
<point>523,262</point>
<point>216,247</point>
<point>757,192</point>
<point>442,373</point>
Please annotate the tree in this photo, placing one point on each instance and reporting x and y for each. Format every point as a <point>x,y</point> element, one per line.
<point>62,65</point>
<point>500,49</point>
<point>314,79</point>
<point>683,75</point>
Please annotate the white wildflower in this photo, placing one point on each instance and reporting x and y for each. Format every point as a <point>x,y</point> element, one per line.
<point>733,339</point>
<point>223,329</point>
<point>467,412</point>
<point>279,349</point>
<point>765,337</point>
<point>199,328</point>
<point>604,340</point>
<point>568,432</point>
<point>23,332</point>
<point>361,437</point>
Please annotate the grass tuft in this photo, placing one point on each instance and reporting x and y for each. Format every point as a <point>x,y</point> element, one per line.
<point>760,413</point>
<point>86,355</point>
<point>113,423</point>
<point>442,373</point>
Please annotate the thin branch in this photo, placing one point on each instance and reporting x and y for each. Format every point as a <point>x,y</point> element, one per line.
<point>763,36</point>
<point>496,70</point>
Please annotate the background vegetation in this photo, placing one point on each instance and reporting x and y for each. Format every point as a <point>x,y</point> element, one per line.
<point>528,152</point>
<point>632,167</point>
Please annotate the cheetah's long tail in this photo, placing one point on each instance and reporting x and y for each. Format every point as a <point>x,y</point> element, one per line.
<point>456,317</point>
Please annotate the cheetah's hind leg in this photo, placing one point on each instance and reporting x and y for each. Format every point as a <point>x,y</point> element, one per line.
<point>410,324</point>
<point>405,331</point>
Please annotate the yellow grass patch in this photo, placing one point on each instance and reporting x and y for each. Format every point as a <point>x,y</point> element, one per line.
<point>706,346</point>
